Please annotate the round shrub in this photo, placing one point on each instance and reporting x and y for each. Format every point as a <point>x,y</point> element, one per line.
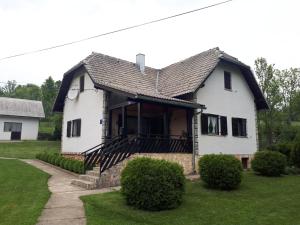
<point>152,184</point>
<point>220,171</point>
<point>269,163</point>
<point>295,155</point>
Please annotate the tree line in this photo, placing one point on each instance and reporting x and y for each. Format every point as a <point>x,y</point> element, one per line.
<point>281,88</point>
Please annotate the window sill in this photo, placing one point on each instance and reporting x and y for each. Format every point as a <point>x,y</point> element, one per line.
<point>240,136</point>
<point>214,135</point>
<point>228,89</point>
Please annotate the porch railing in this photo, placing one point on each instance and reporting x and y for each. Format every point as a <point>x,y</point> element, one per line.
<point>119,148</point>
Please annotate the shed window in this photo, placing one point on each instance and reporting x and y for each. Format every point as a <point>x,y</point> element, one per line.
<point>76,128</point>
<point>239,127</point>
<point>227,80</point>
<point>81,84</point>
<point>12,127</point>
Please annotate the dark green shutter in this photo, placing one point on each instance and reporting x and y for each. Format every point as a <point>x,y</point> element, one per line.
<point>244,127</point>
<point>69,125</point>
<point>204,123</point>
<point>235,129</point>
<point>78,127</point>
<point>81,83</point>
<point>223,125</point>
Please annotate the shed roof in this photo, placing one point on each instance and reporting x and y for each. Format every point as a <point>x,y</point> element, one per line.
<point>21,107</point>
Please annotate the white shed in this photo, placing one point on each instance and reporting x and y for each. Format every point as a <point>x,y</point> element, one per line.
<point>19,118</point>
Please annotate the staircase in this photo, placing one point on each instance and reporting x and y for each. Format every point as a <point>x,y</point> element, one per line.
<point>107,159</point>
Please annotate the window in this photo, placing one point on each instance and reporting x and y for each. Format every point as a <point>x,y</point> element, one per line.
<point>213,124</point>
<point>76,128</point>
<point>12,127</point>
<point>69,128</point>
<point>227,80</point>
<point>239,127</point>
<point>81,84</point>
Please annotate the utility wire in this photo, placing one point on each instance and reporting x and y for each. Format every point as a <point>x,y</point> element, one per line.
<point>115,31</point>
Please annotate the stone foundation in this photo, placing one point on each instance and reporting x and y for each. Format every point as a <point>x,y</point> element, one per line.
<point>73,155</point>
<point>111,177</point>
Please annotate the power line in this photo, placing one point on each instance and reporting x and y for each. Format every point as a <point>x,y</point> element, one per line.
<point>112,32</point>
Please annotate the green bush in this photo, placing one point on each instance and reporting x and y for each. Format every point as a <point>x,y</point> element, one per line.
<point>65,163</point>
<point>152,184</point>
<point>284,148</point>
<point>295,155</point>
<point>269,163</point>
<point>220,171</point>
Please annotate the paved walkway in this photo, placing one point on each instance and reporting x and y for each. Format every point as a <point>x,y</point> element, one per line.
<point>64,206</point>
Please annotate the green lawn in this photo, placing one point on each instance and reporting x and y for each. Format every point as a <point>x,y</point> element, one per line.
<point>23,192</point>
<point>260,200</point>
<point>27,149</point>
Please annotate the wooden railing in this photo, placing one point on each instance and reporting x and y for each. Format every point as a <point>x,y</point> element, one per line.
<point>116,150</point>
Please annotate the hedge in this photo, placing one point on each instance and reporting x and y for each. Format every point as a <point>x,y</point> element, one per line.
<point>220,171</point>
<point>75,166</point>
<point>295,155</point>
<point>153,184</point>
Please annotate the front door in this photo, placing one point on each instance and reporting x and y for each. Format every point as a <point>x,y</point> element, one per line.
<point>15,135</point>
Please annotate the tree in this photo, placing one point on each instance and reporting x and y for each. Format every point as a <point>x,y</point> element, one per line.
<point>28,91</point>
<point>8,90</point>
<point>268,120</point>
<point>49,92</point>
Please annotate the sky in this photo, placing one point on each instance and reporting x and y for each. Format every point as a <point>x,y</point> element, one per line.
<point>246,29</point>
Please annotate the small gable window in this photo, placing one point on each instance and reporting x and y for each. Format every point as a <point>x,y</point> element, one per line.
<point>81,84</point>
<point>213,124</point>
<point>227,80</point>
<point>239,127</point>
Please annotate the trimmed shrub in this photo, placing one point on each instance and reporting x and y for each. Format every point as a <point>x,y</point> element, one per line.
<point>220,171</point>
<point>65,163</point>
<point>295,155</point>
<point>284,148</point>
<point>269,163</point>
<point>153,184</point>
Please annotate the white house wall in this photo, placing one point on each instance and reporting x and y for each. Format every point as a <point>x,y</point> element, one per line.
<point>30,127</point>
<point>236,103</point>
<point>88,107</point>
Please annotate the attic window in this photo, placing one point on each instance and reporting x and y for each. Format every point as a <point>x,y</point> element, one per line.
<point>81,83</point>
<point>227,80</point>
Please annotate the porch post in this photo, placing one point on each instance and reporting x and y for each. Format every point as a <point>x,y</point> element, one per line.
<point>166,121</point>
<point>124,121</point>
<point>110,124</point>
<point>139,119</point>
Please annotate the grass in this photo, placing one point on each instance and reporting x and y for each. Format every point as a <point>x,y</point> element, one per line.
<point>27,149</point>
<point>23,192</point>
<point>259,200</point>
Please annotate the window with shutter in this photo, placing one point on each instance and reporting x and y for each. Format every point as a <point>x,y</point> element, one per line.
<point>81,83</point>
<point>227,80</point>
<point>223,120</point>
<point>239,127</point>
<point>69,126</point>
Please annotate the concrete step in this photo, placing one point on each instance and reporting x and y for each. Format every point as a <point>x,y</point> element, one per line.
<point>93,173</point>
<point>84,184</point>
<point>86,177</point>
<point>96,168</point>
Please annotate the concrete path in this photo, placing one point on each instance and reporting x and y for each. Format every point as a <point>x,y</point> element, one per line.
<point>64,206</point>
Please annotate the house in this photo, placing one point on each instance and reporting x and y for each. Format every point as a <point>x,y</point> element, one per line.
<point>113,109</point>
<point>19,119</point>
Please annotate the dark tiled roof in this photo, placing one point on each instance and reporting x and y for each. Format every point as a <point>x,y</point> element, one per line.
<point>177,79</point>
